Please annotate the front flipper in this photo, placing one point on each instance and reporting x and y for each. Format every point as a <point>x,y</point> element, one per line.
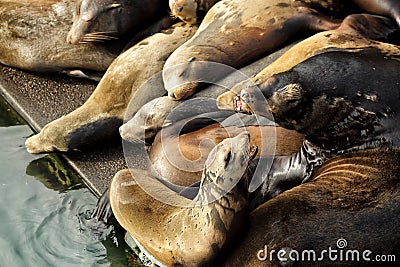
<point>287,172</point>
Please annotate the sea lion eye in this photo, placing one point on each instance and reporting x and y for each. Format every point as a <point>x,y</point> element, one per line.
<point>179,8</point>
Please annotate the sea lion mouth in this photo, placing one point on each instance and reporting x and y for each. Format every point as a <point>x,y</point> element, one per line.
<point>253,152</point>
<point>240,106</point>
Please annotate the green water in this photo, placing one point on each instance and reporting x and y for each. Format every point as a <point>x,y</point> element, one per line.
<point>45,209</point>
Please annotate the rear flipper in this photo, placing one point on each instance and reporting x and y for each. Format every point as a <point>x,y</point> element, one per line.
<point>103,211</point>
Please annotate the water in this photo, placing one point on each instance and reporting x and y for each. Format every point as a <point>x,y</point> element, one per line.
<point>45,209</point>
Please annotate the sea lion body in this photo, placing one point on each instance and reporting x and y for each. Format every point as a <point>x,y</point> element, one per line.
<point>355,32</point>
<point>353,197</point>
<point>102,114</point>
<point>339,100</point>
<point>236,32</point>
<point>32,37</point>
<point>103,20</point>
<point>195,231</point>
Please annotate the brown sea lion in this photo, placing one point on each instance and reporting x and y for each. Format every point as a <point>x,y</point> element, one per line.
<point>179,159</point>
<point>104,20</point>
<point>356,32</point>
<point>236,32</point>
<point>102,114</point>
<point>32,37</point>
<point>353,197</point>
<point>190,11</point>
<point>195,231</point>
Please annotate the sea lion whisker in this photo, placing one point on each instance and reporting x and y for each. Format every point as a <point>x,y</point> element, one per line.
<point>100,36</point>
<point>103,33</point>
<point>91,40</point>
<point>96,39</point>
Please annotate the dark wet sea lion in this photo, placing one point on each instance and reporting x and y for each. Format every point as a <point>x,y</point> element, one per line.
<point>389,8</point>
<point>339,100</point>
<point>236,32</point>
<point>194,232</point>
<point>104,20</point>
<point>354,197</point>
<point>102,114</point>
<point>356,32</point>
<point>32,37</point>
<point>190,11</point>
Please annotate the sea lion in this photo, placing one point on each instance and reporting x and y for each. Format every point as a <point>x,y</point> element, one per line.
<point>32,37</point>
<point>190,11</point>
<point>103,112</point>
<point>179,157</point>
<point>155,114</point>
<point>389,8</point>
<point>340,100</point>
<point>236,32</point>
<point>195,231</point>
<point>357,31</point>
<point>353,197</point>
<point>104,20</point>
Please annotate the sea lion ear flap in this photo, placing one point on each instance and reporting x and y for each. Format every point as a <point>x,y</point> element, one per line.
<point>291,92</point>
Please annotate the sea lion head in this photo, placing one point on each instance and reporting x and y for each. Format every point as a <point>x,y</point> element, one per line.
<point>279,94</point>
<point>44,142</point>
<point>185,10</point>
<point>227,163</point>
<point>149,119</point>
<point>102,20</point>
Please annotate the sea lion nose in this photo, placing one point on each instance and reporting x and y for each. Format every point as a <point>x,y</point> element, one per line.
<point>72,38</point>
